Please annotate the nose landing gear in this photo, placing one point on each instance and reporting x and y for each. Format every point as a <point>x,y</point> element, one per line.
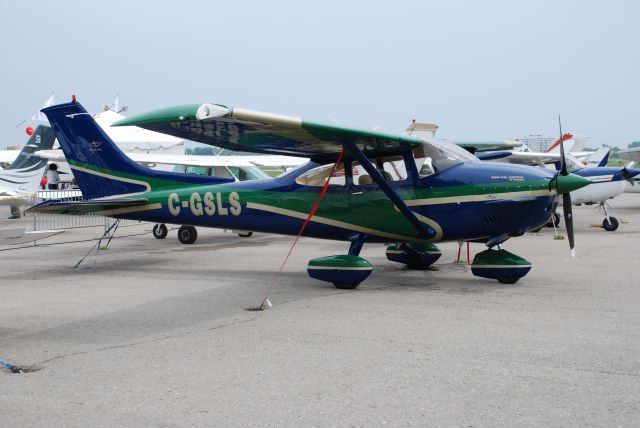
<point>609,223</point>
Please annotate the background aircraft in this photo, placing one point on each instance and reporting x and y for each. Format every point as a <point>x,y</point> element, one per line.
<point>462,199</point>
<point>20,180</point>
<point>606,182</point>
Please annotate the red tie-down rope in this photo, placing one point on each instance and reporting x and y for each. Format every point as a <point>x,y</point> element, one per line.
<point>265,301</point>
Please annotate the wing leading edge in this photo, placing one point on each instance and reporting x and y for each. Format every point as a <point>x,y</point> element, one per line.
<point>259,132</point>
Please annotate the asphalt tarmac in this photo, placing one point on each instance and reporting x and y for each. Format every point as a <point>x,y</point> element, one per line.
<point>156,334</point>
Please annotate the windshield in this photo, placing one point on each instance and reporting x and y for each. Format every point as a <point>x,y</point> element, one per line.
<point>573,164</point>
<point>441,155</point>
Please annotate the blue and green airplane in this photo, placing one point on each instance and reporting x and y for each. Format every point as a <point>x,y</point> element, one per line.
<point>399,190</point>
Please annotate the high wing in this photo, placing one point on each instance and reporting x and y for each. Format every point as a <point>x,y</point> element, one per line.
<point>253,131</point>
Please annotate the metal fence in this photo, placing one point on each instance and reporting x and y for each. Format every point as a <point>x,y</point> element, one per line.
<point>65,221</point>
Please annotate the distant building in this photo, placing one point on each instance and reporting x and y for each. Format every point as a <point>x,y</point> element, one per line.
<point>537,143</point>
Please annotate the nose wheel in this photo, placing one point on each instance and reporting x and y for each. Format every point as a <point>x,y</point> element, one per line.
<point>609,223</point>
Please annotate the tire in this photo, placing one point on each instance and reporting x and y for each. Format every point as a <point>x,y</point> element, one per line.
<point>508,280</point>
<point>345,286</point>
<point>187,235</point>
<point>610,226</point>
<point>160,231</point>
<point>536,230</point>
<point>245,235</point>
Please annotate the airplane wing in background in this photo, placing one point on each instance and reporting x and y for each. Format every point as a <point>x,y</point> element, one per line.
<point>258,132</point>
<point>532,158</point>
<point>474,146</point>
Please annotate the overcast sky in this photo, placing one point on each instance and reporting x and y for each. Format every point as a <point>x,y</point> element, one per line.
<point>480,69</point>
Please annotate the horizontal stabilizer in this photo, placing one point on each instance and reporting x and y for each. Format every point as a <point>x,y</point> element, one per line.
<point>103,207</point>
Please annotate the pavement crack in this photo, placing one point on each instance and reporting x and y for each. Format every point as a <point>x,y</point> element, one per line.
<point>143,342</point>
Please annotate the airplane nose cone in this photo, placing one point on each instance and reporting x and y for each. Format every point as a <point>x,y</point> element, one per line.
<point>567,183</point>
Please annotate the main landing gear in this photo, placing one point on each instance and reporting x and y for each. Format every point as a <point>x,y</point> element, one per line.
<point>346,272</point>
<point>500,264</point>
<point>415,256</point>
<point>188,234</point>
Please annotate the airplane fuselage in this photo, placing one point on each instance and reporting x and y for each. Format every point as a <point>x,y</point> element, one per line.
<point>606,183</point>
<point>470,201</point>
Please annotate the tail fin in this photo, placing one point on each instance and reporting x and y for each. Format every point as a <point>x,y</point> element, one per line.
<point>599,158</point>
<point>26,170</point>
<point>99,166</point>
<point>568,144</point>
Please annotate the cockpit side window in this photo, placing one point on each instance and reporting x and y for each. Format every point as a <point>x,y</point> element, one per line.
<point>392,168</point>
<point>318,176</point>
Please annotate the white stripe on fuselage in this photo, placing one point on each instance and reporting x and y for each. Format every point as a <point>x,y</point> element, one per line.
<point>479,198</point>
<point>116,178</point>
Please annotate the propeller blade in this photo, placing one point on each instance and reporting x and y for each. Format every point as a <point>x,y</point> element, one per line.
<point>568,221</point>
<point>563,161</point>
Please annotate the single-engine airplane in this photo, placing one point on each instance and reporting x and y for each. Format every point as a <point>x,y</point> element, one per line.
<point>458,199</point>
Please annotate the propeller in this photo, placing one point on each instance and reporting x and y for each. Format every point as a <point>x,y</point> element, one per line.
<point>566,196</point>
<point>628,173</point>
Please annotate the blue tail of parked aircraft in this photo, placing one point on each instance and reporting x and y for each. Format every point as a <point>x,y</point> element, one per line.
<point>99,166</point>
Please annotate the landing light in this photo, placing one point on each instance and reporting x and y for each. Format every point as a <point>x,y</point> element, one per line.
<point>210,111</point>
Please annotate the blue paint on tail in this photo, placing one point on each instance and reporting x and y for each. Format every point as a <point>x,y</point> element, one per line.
<point>605,160</point>
<point>99,166</point>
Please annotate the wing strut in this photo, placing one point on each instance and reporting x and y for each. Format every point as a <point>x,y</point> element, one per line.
<point>423,230</point>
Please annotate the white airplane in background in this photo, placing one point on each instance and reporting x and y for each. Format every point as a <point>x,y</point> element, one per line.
<point>573,147</point>
<point>20,180</point>
<point>606,182</point>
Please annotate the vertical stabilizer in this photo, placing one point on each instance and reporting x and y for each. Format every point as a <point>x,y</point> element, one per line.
<point>27,169</point>
<point>99,166</point>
